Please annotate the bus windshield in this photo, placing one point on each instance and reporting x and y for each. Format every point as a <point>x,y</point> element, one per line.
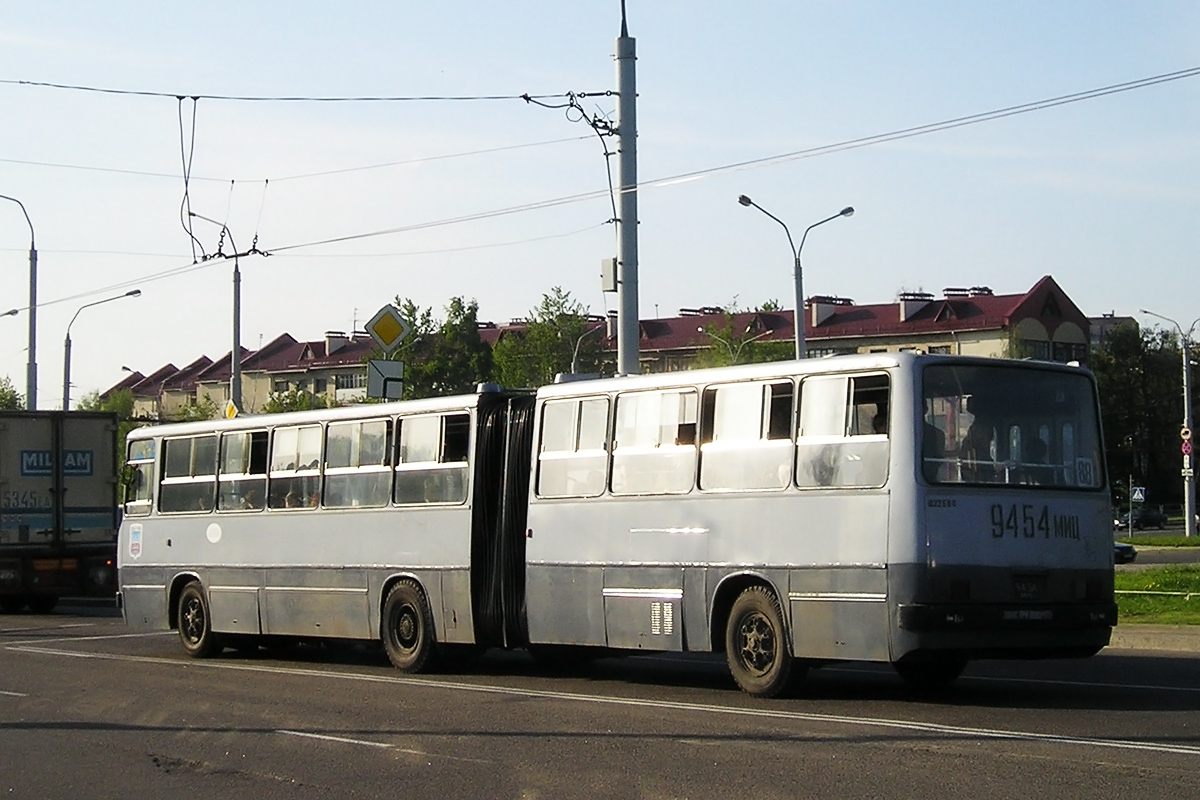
<point>1002,424</point>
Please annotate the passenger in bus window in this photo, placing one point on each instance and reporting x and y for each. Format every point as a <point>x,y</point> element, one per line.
<point>976,450</point>
<point>879,423</point>
<point>252,499</point>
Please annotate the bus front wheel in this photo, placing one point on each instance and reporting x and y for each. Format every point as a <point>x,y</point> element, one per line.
<point>408,628</point>
<point>756,644</point>
<point>195,624</point>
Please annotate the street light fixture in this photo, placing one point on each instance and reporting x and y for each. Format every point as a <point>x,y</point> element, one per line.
<point>797,271</point>
<point>66,404</point>
<point>31,370</point>
<point>1189,480</point>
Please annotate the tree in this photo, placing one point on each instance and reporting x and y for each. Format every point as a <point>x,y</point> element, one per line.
<point>120,403</point>
<point>294,400</point>
<point>10,398</point>
<point>728,345</point>
<point>1141,403</point>
<point>558,332</point>
<point>446,357</point>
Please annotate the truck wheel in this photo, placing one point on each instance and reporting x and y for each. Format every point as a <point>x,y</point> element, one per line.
<point>756,644</point>
<point>407,628</point>
<point>195,626</point>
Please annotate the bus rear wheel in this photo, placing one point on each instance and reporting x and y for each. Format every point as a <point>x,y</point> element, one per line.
<point>756,644</point>
<point>408,628</point>
<point>195,624</point>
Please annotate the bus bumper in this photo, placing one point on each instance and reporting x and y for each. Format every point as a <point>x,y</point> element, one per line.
<point>1006,617</point>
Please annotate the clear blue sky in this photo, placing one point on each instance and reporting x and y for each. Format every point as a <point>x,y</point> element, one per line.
<point>1101,194</point>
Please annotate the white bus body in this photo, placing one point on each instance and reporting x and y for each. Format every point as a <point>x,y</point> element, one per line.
<point>918,510</point>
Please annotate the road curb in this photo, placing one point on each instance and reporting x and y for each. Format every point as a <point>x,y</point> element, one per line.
<point>1169,638</point>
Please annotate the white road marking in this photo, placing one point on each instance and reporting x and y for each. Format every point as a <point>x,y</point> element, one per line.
<point>341,739</point>
<point>666,705</point>
<point>13,694</point>
<point>19,644</point>
<point>382,745</point>
<point>48,627</point>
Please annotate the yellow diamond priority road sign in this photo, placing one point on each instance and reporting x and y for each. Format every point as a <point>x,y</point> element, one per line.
<point>388,328</point>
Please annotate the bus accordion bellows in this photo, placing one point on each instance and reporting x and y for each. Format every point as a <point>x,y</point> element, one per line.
<point>903,508</point>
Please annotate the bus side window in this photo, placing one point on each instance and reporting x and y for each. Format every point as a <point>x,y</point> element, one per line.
<point>654,451</point>
<point>139,478</point>
<point>838,444</point>
<point>743,448</point>
<point>432,459</point>
<point>357,471</point>
<point>572,453</point>
<point>189,474</point>
<point>295,477</point>
<point>242,483</point>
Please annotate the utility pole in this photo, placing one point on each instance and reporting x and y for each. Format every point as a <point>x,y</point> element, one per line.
<point>628,339</point>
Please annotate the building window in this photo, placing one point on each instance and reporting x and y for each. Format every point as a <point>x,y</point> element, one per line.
<point>350,380</point>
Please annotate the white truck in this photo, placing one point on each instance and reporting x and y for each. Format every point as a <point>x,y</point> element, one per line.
<point>58,507</point>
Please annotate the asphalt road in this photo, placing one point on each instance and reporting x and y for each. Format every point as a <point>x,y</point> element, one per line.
<point>89,710</point>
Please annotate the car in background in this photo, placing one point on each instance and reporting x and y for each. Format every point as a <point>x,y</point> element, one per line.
<point>1146,517</point>
<point>1124,553</point>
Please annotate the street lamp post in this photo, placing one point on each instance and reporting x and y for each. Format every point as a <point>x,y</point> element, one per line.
<point>579,341</point>
<point>1189,480</point>
<point>66,405</point>
<point>797,271</point>
<point>31,370</point>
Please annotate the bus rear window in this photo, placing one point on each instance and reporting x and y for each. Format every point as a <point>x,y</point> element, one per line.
<point>1010,425</point>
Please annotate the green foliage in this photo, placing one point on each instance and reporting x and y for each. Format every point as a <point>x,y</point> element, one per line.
<point>10,398</point>
<point>558,332</point>
<point>1178,603</point>
<point>294,400</point>
<point>120,403</point>
<point>1139,375</point>
<point>728,346</point>
<point>205,408</point>
<point>442,357</point>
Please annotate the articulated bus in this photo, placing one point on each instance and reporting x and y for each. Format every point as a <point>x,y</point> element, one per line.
<point>918,510</point>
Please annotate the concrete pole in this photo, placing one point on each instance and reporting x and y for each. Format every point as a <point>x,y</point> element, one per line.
<point>1189,480</point>
<point>628,339</point>
<point>235,355</point>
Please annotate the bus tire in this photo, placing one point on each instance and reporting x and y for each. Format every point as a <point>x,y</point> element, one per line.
<point>407,624</point>
<point>756,644</point>
<point>930,676</point>
<point>195,624</point>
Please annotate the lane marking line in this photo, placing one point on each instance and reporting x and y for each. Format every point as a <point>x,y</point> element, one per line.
<point>13,694</point>
<point>17,645</point>
<point>956,731</point>
<point>341,739</point>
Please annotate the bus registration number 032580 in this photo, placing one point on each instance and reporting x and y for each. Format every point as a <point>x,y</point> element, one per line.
<point>1030,521</point>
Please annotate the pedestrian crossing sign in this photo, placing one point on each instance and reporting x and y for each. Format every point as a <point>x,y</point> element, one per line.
<point>1139,494</point>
